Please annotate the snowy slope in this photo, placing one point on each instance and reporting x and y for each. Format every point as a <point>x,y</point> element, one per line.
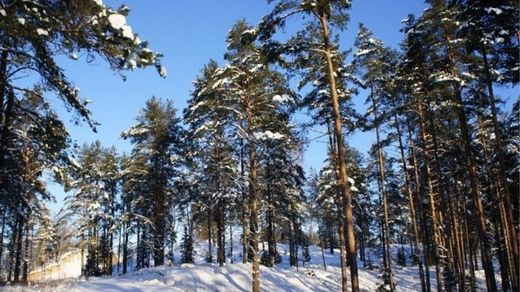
<point>237,277</point>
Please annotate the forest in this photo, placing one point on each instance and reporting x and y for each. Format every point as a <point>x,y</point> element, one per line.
<point>437,192</point>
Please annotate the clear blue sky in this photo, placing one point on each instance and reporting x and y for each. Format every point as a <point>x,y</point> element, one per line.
<point>189,33</point>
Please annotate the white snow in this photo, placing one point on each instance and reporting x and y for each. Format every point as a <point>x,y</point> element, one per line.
<point>99,2</point>
<point>118,22</point>
<point>256,68</point>
<point>323,92</point>
<point>444,78</point>
<point>497,11</point>
<point>74,162</point>
<point>127,32</point>
<point>41,31</point>
<point>362,52</point>
<point>133,63</point>
<point>268,135</point>
<point>163,72</point>
<point>281,99</point>
<point>136,130</point>
<point>2,12</point>
<point>21,21</point>
<point>237,277</point>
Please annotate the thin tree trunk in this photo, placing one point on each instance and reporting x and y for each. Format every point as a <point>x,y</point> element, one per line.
<point>119,248</point>
<point>431,194</point>
<point>411,204</point>
<point>475,190</point>
<point>323,255</point>
<point>18,258</point>
<point>25,271</point>
<point>220,234</point>
<point>415,165</point>
<point>3,81</point>
<point>245,210</point>
<point>382,188</point>
<point>2,236</point>
<point>253,191</point>
<point>508,222</point>
<point>231,243</point>
<point>139,256</point>
<point>125,252</point>
<point>342,254</point>
<point>485,249</point>
<point>270,217</point>
<point>209,258</point>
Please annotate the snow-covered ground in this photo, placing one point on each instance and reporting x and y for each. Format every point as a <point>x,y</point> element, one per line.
<point>237,277</point>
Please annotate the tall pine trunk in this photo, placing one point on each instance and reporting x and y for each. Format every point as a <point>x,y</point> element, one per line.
<point>411,204</point>
<point>472,168</point>
<point>510,234</point>
<point>253,192</point>
<point>425,247</point>
<point>19,241</point>
<point>338,133</point>
<point>382,189</point>
<point>432,196</point>
<point>342,252</point>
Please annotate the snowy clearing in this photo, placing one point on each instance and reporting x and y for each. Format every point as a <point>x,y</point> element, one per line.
<point>237,277</point>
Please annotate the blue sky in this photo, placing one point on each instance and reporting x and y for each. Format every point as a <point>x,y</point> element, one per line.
<point>189,33</point>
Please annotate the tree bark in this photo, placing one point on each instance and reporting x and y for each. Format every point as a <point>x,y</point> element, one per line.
<point>382,189</point>
<point>253,191</point>
<point>511,235</point>
<point>415,164</point>
<point>432,196</point>
<point>338,133</point>
<point>485,249</point>
<point>411,204</point>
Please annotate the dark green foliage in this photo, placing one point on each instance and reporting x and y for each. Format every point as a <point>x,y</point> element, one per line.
<point>264,258</point>
<point>187,246</point>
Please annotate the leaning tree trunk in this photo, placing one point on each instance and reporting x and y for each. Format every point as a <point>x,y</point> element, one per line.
<point>338,133</point>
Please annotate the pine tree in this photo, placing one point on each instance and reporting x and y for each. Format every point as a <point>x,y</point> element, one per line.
<point>33,37</point>
<point>369,59</point>
<point>187,246</point>
<point>94,181</point>
<point>215,162</point>
<point>324,15</point>
<point>250,85</point>
<point>158,137</point>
